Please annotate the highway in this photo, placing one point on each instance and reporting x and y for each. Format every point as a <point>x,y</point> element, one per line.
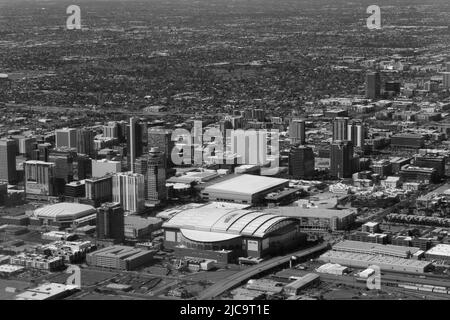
<point>235,279</point>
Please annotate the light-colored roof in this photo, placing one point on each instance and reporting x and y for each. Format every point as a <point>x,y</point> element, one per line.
<point>204,236</point>
<point>440,250</point>
<point>64,210</point>
<point>246,184</point>
<point>299,212</point>
<point>43,292</point>
<point>226,221</point>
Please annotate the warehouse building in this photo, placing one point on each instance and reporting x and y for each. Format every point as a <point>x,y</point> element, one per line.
<point>386,263</point>
<point>440,252</point>
<point>295,287</point>
<point>47,291</point>
<point>375,249</point>
<point>243,232</point>
<point>317,219</point>
<point>246,188</point>
<point>119,258</point>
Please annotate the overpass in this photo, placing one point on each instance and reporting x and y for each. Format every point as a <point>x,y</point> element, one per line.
<point>234,280</point>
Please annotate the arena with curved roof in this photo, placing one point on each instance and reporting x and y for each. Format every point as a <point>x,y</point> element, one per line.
<point>246,232</point>
<point>65,214</point>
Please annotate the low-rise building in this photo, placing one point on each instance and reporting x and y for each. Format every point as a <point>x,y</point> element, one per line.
<point>119,258</point>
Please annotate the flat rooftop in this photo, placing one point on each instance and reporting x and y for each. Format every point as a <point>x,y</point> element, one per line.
<point>299,212</point>
<point>246,183</point>
<point>375,260</point>
<point>375,248</point>
<point>440,250</point>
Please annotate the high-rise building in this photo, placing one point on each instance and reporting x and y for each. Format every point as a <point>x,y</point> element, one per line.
<point>136,140</point>
<point>82,167</point>
<point>356,133</point>
<point>340,131</point>
<point>297,132</point>
<point>373,85</point>
<point>39,178</point>
<point>103,167</point>
<point>111,222</point>
<point>162,139</point>
<point>64,159</point>
<point>446,79</point>
<point>111,130</point>
<point>156,176</point>
<point>258,114</point>
<point>8,151</point>
<point>341,159</point>
<point>128,190</point>
<point>301,162</point>
<point>66,138</point>
<point>99,190</point>
<point>85,142</point>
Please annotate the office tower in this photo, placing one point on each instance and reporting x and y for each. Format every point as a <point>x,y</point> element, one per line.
<point>85,142</point>
<point>64,159</point>
<point>43,149</point>
<point>111,222</point>
<point>39,178</point>
<point>128,190</point>
<point>446,79</point>
<point>66,138</point>
<point>356,133</point>
<point>373,85</point>
<point>392,86</point>
<point>111,130</point>
<point>156,176</point>
<point>26,146</point>
<point>82,167</point>
<point>99,190</point>
<point>258,115</point>
<point>341,159</point>
<point>250,146</point>
<point>301,162</point>
<point>297,132</point>
<point>162,139</point>
<point>136,140</point>
<point>8,151</point>
<point>340,131</point>
<point>103,167</point>
<point>237,122</point>
<point>141,167</point>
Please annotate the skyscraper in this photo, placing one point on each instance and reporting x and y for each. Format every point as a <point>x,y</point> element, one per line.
<point>111,130</point>
<point>99,190</point>
<point>136,140</point>
<point>66,138</point>
<point>162,139</point>
<point>340,129</point>
<point>156,176</point>
<point>297,132</point>
<point>341,159</point>
<point>111,222</point>
<point>373,85</point>
<point>64,159</point>
<point>8,151</point>
<point>446,79</point>
<point>39,178</point>
<point>128,190</point>
<point>85,142</point>
<point>357,134</point>
<point>301,162</point>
